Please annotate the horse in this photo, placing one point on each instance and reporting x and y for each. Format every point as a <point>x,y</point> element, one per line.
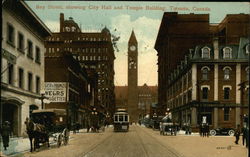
<point>36,132</point>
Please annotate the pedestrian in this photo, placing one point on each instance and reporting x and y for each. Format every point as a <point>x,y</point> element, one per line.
<point>5,132</point>
<point>237,134</point>
<point>244,137</point>
<point>88,127</point>
<point>207,129</point>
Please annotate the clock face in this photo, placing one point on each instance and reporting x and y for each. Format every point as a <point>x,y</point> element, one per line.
<point>132,48</point>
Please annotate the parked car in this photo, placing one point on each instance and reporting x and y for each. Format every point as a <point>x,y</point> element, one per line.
<point>222,131</point>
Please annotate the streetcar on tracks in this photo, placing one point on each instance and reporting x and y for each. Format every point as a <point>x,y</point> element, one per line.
<point>121,120</point>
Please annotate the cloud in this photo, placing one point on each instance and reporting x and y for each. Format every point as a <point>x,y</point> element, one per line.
<point>54,26</point>
<point>146,30</point>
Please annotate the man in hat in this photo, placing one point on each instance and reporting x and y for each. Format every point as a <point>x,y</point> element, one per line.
<point>5,132</point>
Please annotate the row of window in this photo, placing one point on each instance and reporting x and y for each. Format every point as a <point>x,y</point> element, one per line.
<point>21,76</point>
<point>92,58</point>
<point>91,50</point>
<point>227,52</point>
<point>205,73</point>
<point>205,76</point>
<point>21,46</point>
<point>79,38</point>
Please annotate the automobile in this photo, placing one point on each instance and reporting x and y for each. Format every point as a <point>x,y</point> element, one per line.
<point>222,131</point>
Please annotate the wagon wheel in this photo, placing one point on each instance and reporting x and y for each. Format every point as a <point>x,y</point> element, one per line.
<point>65,136</point>
<point>59,140</point>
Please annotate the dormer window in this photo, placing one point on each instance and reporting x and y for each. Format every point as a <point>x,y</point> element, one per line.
<point>227,53</point>
<point>73,29</point>
<point>247,48</point>
<point>205,52</point>
<point>67,29</point>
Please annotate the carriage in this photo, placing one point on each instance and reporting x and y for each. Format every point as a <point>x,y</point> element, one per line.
<point>121,120</point>
<point>55,123</point>
<point>167,126</point>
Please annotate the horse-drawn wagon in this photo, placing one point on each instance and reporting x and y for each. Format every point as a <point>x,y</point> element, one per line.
<point>167,126</point>
<point>48,123</point>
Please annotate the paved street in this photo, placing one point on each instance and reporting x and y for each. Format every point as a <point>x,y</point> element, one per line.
<point>142,142</point>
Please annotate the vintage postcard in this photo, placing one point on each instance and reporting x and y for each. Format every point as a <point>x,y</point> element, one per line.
<point>124,79</point>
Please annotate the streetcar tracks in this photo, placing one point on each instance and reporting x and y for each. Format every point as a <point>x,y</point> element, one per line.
<point>143,145</point>
<point>94,149</point>
<point>173,152</point>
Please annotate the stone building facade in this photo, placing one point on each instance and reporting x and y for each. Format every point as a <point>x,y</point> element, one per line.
<point>94,51</point>
<point>22,64</point>
<point>205,86</point>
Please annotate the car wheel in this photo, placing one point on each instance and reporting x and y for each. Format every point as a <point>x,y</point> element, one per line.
<point>212,132</point>
<point>231,132</point>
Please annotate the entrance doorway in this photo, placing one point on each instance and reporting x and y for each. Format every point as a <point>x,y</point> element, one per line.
<point>10,114</point>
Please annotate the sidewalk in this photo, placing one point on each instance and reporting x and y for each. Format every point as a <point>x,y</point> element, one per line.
<point>22,145</point>
<point>196,146</point>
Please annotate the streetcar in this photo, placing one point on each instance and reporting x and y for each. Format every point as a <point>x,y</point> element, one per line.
<point>121,120</point>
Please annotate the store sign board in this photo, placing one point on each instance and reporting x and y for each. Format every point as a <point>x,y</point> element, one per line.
<point>56,91</point>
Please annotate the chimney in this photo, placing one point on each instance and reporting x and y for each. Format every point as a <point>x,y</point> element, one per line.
<point>61,21</point>
<point>216,47</point>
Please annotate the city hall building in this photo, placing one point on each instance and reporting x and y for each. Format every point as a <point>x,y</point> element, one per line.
<point>22,64</point>
<point>211,85</point>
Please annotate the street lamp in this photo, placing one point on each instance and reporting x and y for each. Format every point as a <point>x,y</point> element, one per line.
<point>242,88</point>
<point>43,99</point>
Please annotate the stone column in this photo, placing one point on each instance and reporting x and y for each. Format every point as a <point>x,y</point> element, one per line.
<point>216,90</point>
<point>216,117</point>
<point>194,82</point>
<point>194,117</point>
<point>238,93</point>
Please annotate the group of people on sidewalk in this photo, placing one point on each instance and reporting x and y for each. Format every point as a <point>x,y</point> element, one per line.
<point>204,130</point>
<point>245,135</point>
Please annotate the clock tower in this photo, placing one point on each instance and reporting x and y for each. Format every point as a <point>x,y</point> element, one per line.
<point>132,78</point>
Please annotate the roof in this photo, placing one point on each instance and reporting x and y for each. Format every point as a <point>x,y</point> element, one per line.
<point>56,111</point>
<point>132,38</point>
<point>121,92</point>
<point>23,12</point>
<point>238,51</point>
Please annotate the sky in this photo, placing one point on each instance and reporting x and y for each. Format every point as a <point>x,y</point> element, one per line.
<point>123,17</point>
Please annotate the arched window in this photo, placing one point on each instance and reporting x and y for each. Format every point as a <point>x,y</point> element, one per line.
<point>247,73</point>
<point>247,48</point>
<point>204,71</point>
<point>227,53</point>
<point>205,52</point>
<point>226,92</point>
<point>226,73</point>
<point>205,93</point>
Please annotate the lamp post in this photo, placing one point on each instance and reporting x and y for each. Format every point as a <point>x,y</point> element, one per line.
<point>42,98</point>
<point>94,114</point>
<point>199,100</point>
<point>242,88</point>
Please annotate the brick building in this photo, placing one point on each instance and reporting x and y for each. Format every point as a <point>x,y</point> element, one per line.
<point>206,84</point>
<point>176,35</point>
<point>68,86</point>
<point>22,63</point>
<point>147,98</point>
<point>180,32</point>
<point>94,51</point>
